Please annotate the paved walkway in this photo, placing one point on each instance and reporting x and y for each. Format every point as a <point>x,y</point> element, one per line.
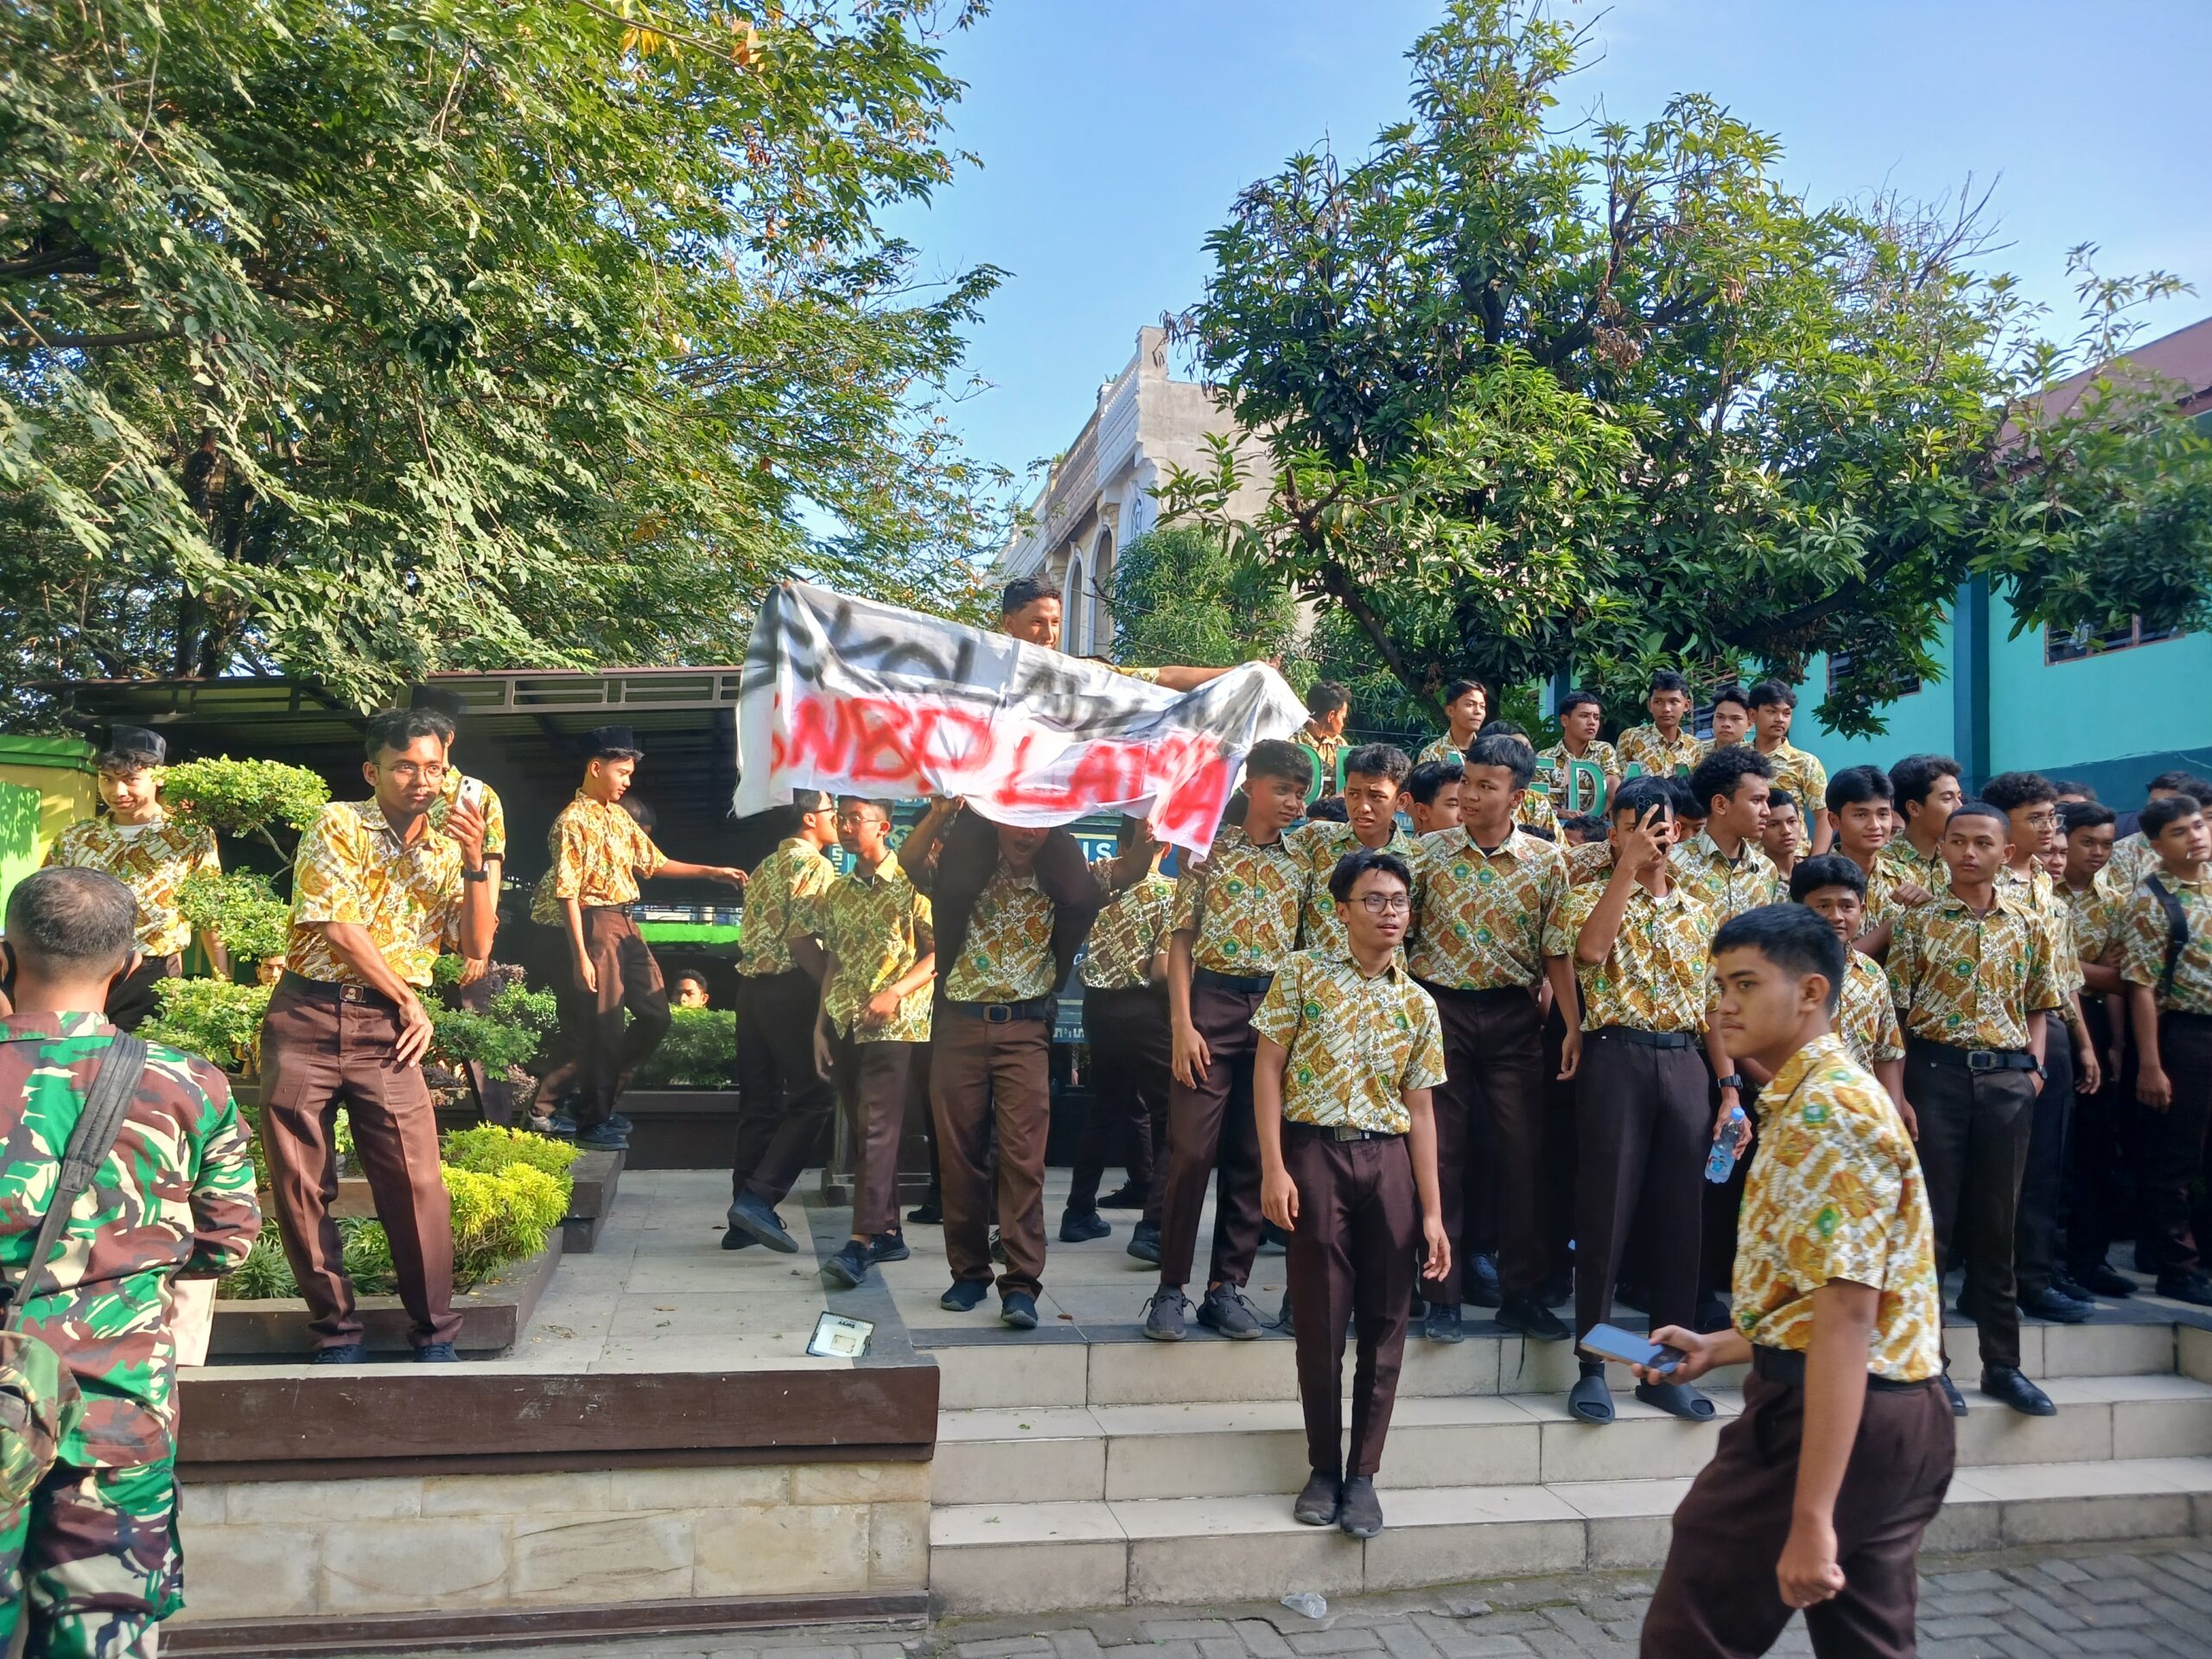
<point>2021,1604</point>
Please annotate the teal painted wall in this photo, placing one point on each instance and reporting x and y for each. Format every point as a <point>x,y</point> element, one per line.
<point>1919,724</point>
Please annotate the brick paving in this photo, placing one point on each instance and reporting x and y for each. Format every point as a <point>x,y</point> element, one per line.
<point>2153,1599</point>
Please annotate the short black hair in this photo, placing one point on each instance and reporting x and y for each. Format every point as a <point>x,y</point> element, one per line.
<point>1329,808</point>
<point>1978,809</point>
<point>691,974</point>
<point>1666,679</point>
<point>1541,832</point>
<point>2085,815</point>
<point>1274,757</point>
<point>1379,761</point>
<point>1793,938</point>
<point>1688,803</point>
<point>398,728</point>
<point>2009,790</point>
<point>1638,796</point>
<point>2153,818</point>
<point>1460,689</point>
<point>1502,727</point>
<point>1767,693</point>
<point>1917,774</point>
<point>72,917</point>
<point>2185,782</point>
<point>1358,861</point>
<point>1734,694</point>
<point>1326,696</point>
<point>1828,870</point>
<point>1585,823</point>
<point>1574,700</point>
<point>1780,800</point>
<point>1024,591</point>
<point>1427,780</point>
<point>886,807</point>
<point>640,810</point>
<point>1856,785</point>
<point>2073,786</point>
<point>1723,771</point>
<point>1495,749</point>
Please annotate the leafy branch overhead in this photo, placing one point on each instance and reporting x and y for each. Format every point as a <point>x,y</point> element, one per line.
<point>359,341</point>
<point>1542,391</point>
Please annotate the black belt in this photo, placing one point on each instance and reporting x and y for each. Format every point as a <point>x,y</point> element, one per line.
<point>1464,994</point>
<point>1151,988</point>
<point>1002,1014</point>
<point>1649,1039</point>
<point>1342,1132</point>
<point>1786,1367</point>
<point>1978,1060</point>
<point>329,990</point>
<point>1243,984</point>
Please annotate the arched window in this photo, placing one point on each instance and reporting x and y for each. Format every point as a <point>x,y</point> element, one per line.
<point>1075,609</point>
<point>1102,586</point>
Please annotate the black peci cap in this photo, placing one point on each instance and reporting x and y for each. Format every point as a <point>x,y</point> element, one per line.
<point>612,743</point>
<point>137,744</point>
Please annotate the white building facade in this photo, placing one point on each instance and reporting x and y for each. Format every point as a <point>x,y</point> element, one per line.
<point>1099,495</point>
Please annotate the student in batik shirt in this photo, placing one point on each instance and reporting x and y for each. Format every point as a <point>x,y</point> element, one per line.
<point>1773,706</point>
<point>1349,1051</point>
<point>1782,840</point>
<point>1972,970</point>
<point>1433,796</point>
<point>1535,811</point>
<point>1665,746</point>
<point>1861,819</point>
<point>1466,705</point>
<point>151,854</point>
<point>1732,719</point>
<point>1235,921</point>
<point>1580,714</point>
<point>2100,1164</point>
<point>1820,1492</point>
<point>1328,705</point>
<point>1375,792</point>
<point>2132,855</point>
<point>1833,887</point>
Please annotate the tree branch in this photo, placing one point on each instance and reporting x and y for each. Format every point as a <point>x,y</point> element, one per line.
<point>91,342</point>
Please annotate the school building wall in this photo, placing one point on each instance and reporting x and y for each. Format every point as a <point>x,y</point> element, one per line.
<point>46,785</point>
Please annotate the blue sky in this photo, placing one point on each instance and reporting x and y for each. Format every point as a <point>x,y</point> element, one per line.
<point>1113,134</point>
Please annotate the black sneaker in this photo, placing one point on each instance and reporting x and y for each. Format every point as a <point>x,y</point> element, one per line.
<point>1224,1309</point>
<point>561,1127</point>
<point>1359,1512</point>
<point>849,1265</point>
<point>1443,1323</point>
<point>1318,1502</point>
<point>2011,1385</point>
<point>1167,1314</point>
<point>619,1121</point>
<point>1951,1393</point>
<point>2191,1287</point>
<point>603,1137</point>
<point>1081,1226</point>
<point>1128,1196</point>
<point>2104,1280</point>
<point>1018,1309</point>
<point>998,1249</point>
<point>2070,1287</point>
<point>1285,1324</point>
<point>930,1212</point>
<point>738,1239</point>
<point>888,1246</point>
<point>1479,1288</point>
<point>2050,1303</point>
<point>1144,1242</point>
<point>341,1353</point>
<point>965,1296</point>
<point>1532,1319</point>
<point>752,1214</point>
<point>436,1353</point>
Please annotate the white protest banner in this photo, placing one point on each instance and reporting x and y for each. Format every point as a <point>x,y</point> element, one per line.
<point>858,698</point>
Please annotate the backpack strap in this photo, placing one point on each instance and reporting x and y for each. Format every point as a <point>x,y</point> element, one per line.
<point>106,1104</point>
<point>2176,931</point>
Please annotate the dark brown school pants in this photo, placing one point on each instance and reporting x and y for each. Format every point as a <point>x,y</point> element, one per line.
<point>1642,1130</point>
<point>609,1050</point>
<point>984,1072</point>
<point>1352,1259</point>
<point>323,1046</point>
<point>2175,1141</point>
<point>136,997</point>
<point>872,1094</point>
<point>782,1101</point>
<point>1718,1598</point>
<point>1210,1129</point>
<point>1126,1033</point>
<point>1493,1099</point>
<point>1974,1150</point>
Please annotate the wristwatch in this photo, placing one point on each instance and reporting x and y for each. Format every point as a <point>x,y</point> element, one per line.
<point>1733,1080</point>
<point>479,874</point>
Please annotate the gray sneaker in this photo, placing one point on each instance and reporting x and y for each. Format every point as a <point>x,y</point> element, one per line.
<point>1167,1313</point>
<point>1225,1310</point>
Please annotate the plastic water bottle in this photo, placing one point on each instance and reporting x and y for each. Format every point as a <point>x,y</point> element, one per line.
<point>1722,1159</point>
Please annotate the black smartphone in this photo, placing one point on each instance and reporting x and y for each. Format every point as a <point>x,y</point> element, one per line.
<point>1610,1342</point>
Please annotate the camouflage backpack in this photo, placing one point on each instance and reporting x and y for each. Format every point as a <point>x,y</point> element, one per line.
<point>39,1401</point>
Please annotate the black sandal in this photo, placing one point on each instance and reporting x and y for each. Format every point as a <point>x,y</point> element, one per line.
<point>1677,1400</point>
<point>1591,1399</point>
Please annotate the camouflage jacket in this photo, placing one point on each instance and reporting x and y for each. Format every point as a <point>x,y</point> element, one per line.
<point>174,1198</point>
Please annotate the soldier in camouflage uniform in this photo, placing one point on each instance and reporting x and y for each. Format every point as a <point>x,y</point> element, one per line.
<point>93,1553</point>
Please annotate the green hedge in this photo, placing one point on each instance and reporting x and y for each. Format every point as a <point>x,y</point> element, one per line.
<point>699,1052</point>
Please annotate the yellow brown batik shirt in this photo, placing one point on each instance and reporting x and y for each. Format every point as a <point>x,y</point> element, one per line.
<point>1836,1193</point>
<point>495,814</point>
<point>2093,916</point>
<point>1242,909</point>
<point>1803,777</point>
<point>1535,812</point>
<point>599,852</point>
<point>1316,847</point>
<point>1478,918</point>
<point>2040,894</point>
<point>1972,980</point>
<point>1551,765</point>
<point>1660,757</point>
<point>1357,1041</point>
<point>2132,858</point>
<point>153,860</point>
<point>1591,862</point>
<point>1658,975</point>
<point>1130,931</point>
<point>1008,954</point>
<point>1731,886</point>
<point>877,925</point>
<point>2144,931</point>
<point>1867,1019</point>
<point>776,904</point>
<point>353,867</point>
<point>1326,751</point>
<point>1443,749</point>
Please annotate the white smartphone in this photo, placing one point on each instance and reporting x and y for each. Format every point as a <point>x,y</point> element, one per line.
<point>472,794</point>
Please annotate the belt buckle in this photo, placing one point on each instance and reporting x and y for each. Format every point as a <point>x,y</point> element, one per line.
<point>998,1013</point>
<point>1345,1132</point>
<point>1981,1059</point>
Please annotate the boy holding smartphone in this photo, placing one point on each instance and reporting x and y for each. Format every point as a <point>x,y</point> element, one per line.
<point>1819,1491</point>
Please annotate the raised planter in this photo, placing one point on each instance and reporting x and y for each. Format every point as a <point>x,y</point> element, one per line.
<point>592,1182</point>
<point>492,1318</point>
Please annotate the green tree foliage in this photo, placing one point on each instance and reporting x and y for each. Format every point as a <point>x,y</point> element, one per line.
<point>362,341</point>
<point>244,798</point>
<point>1182,595</point>
<point>1609,396</point>
<point>211,1018</point>
<point>240,908</point>
<point>700,1051</point>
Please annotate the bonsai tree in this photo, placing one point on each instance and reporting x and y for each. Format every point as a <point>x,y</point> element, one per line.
<point>242,910</point>
<point>243,798</point>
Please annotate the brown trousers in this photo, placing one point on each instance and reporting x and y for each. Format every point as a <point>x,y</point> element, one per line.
<point>1210,1128</point>
<point>2175,1139</point>
<point>1974,1127</point>
<point>981,1072</point>
<point>136,997</point>
<point>1126,1033</point>
<point>872,1094</point>
<point>324,1046</point>
<point>1493,1100</point>
<point>1718,1596</point>
<point>1642,1129</point>
<point>608,1051</point>
<point>782,1101</point>
<point>1353,1256</point>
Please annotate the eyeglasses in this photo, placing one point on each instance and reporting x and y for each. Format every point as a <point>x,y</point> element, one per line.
<point>2043,820</point>
<point>1385,904</point>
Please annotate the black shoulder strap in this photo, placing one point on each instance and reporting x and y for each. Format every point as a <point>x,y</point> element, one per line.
<point>2176,931</point>
<point>106,1104</point>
